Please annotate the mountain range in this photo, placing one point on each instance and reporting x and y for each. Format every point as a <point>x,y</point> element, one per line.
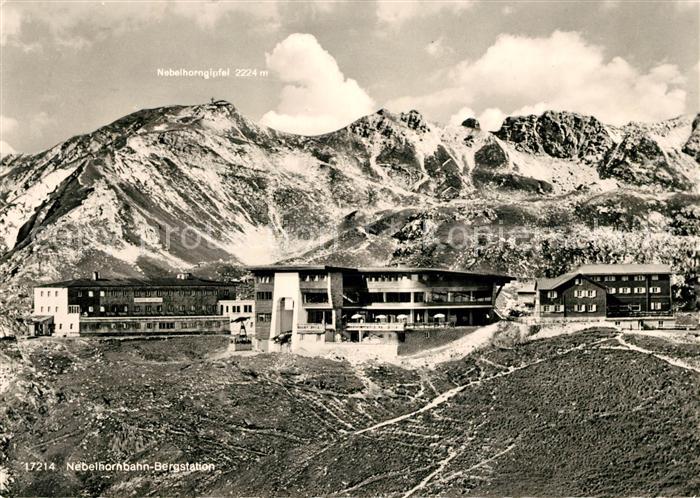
<point>202,187</point>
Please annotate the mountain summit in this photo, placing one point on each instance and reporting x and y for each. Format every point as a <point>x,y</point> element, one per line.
<point>181,186</point>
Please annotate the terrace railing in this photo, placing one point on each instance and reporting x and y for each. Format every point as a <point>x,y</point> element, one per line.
<point>388,326</point>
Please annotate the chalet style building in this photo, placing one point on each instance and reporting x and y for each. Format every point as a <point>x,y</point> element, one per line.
<point>630,295</point>
<point>322,308</point>
<point>99,306</point>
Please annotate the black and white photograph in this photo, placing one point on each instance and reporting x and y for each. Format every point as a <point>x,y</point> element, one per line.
<point>377,248</point>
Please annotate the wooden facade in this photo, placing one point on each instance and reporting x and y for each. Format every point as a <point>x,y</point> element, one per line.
<point>607,291</point>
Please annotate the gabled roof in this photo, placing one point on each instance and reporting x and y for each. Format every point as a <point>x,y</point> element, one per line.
<point>553,283</point>
<point>623,269</point>
<point>603,269</point>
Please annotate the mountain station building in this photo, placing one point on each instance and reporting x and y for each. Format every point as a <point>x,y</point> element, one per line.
<point>322,308</point>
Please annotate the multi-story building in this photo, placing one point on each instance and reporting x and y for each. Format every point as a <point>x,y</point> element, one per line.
<point>327,305</point>
<point>96,306</point>
<point>631,295</point>
<point>241,312</point>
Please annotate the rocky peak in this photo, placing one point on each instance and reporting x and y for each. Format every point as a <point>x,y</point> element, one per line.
<point>414,120</point>
<point>640,160</point>
<point>564,135</point>
<point>380,122</point>
<point>471,123</point>
<point>692,146</point>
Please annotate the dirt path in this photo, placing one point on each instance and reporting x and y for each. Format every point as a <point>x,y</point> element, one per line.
<point>668,359</point>
<point>451,393</point>
<point>452,350</point>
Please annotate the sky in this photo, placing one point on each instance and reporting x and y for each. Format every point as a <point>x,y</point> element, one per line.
<point>68,68</point>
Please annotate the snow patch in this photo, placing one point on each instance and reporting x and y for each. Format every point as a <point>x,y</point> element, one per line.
<point>22,207</point>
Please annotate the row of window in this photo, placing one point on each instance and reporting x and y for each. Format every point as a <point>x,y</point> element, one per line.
<point>153,325</point>
<point>313,277</point>
<point>119,308</point>
<point>432,297</point>
<point>152,292</point>
<point>635,290</point>
<point>612,290</point>
<point>559,308</point>
<point>392,277</point>
<point>395,297</point>
<point>623,278</point>
<point>48,293</point>
<point>264,317</point>
<point>247,308</point>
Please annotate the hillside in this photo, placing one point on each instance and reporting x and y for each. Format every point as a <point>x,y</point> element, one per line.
<point>586,414</point>
<point>203,186</point>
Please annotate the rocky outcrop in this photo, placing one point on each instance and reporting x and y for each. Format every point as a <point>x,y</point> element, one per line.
<point>471,123</point>
<point>692,146</point>
<point>415,121</point>
<point>640,160</point>
<point>247,191</point>
<point>491,156</point>
<point>563,135</point>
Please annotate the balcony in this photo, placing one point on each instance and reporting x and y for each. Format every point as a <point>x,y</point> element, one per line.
<point>638,314</point>
<point>393,327</point>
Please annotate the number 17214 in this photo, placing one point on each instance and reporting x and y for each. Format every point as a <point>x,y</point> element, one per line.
<point>39,466</point>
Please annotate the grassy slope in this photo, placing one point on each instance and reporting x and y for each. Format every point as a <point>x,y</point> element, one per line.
<point>572,415</point>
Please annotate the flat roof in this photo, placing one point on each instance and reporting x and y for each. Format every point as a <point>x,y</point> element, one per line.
<point>400,269</point>
<point>374,269</point>
<point>137,282</point>
<point>296,268</point>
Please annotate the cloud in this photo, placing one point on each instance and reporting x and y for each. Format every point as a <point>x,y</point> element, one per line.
<point>437,48</point>
<point>393,13</point>
<point>10,23</point>
<point>507,10</point>
<point>7,125</point>
<point>609,4</point>
<point>6,149</point>
<point>207,14</point>
<point>457,118</point>
<point>686,5</point>
<point>490,119</point>
<point>559,72</point>
<point>76,25</point>
<point>318,97</point>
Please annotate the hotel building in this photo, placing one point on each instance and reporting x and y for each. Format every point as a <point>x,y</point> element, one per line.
<point>99,306</point>
<point>630,295</point>
<point>315,307</point>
